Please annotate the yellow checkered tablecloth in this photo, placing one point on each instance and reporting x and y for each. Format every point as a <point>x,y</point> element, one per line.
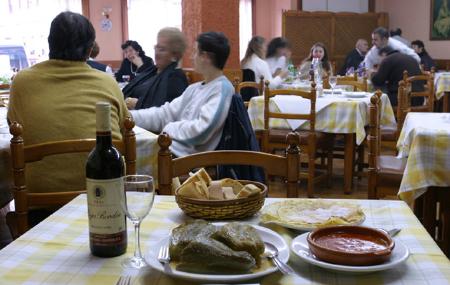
<point>57,251</point>
<point>441,84</point>
<point>342,116</point>
<point>425,141</point>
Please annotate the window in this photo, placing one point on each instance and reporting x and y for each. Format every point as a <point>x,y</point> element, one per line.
<point>245,25</point>
<point>146,18</point>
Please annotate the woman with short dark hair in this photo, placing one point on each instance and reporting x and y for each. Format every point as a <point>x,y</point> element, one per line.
<point>134,63</point>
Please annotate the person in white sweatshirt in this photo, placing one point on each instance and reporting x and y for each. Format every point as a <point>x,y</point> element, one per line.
<point>380,39</point>
<point>254,60</point>
<point>195,119</point>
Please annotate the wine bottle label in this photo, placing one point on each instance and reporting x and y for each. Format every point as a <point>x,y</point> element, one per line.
<point>105,201</point>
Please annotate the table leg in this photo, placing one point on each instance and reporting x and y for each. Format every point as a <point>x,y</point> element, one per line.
<point>349,157</point>
<point>445,102</point>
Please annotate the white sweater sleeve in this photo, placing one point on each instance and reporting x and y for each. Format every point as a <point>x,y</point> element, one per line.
<point>155,118</point>
<point>372,58</point>
<point>212,115</point>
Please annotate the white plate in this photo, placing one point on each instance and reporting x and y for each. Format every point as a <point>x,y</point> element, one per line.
<point>355,94</point>
<point>300,247</point>
<point>335,92</point>
<point>266,234</point>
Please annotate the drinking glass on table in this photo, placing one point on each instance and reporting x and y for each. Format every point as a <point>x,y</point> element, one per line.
<point>333,81</point>
<point>126,78</point>
<point>138,200</point>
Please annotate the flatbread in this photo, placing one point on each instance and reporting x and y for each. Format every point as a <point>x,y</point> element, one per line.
<point>236,185</point>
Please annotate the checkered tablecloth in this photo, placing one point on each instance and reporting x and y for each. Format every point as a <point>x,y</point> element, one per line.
<point>341,116</point>
<point>425,141</point>
<point>146,156</point>
<point>441,84</point>
<point>57,250</point>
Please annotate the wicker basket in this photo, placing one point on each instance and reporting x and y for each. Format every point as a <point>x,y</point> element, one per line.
<point>223,209</point>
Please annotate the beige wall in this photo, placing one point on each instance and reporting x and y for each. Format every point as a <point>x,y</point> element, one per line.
<point>109,42</point>
<point>413,17</point>
<point>268,16</point>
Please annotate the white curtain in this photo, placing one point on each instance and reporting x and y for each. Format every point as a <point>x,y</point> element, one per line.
<point>245,25</point>
<point>146,18</point>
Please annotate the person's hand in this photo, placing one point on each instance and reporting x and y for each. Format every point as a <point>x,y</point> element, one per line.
<point>137,60</point>
<point>277,72</point>
<point>131,103</point>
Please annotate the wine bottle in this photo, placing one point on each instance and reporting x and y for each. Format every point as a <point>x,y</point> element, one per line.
<point>104,172</point>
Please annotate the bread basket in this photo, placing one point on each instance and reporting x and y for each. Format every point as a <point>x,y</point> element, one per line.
<point>223,209</point>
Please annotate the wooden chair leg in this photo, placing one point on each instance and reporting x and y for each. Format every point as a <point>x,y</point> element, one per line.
<point>311,173</point>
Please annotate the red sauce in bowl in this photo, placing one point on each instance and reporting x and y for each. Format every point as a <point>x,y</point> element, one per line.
<point>351,242</point>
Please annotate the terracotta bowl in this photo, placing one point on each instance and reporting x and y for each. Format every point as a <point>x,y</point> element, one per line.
<point>351,245</point>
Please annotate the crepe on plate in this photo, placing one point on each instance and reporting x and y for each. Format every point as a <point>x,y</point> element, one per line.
<point>309,214</point>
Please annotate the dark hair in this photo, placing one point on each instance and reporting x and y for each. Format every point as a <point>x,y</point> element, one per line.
<point>418,43</point>
<point>255,46</point>
<point>134,44</point>
<point>396,32</point>
<point>217,47</point>
<point>71,37</point>
<point>382,32</point>
<point>325,62</point>
<point>386,50</point>
<point>275,44</point>
<point>95,50</point>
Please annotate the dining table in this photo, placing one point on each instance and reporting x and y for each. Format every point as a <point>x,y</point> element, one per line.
<point>442,88</point>
<point>56,251</point>
<point>341,113</point>
<point>146,155</point>
<point>424,142</point>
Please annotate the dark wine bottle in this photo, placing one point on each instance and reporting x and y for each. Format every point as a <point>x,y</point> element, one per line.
<point>104,172</point>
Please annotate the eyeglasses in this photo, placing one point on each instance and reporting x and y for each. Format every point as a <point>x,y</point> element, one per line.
<point>160,48</point>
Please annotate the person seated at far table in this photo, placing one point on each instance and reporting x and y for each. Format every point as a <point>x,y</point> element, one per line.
<point>95,64</point>
<point>319,51</point>
<point>157,86</point>
<point>53,102</point>
<point>425,59</point>
<point>390,73</point>
<point>195,119</point>
<point>134,63</point>
<point>380,39</point>
<point>355,57</point>
<point>278,55</point>
<point>254,60</point>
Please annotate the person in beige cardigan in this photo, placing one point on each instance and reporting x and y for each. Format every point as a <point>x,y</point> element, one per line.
<point>55,100</point>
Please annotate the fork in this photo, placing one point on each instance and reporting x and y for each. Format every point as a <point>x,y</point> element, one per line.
<point>163,255</point>
<point>124,280</point>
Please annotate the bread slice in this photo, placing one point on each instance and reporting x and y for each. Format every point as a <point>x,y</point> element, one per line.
<point>248,190</point>
<point>215,191</point>
<point>236,185</point>
<point>228,193</point>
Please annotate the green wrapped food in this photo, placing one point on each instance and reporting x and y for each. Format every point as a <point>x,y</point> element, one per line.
<point>207,255</point>
<point>241,237</point>
<point>187,232</point>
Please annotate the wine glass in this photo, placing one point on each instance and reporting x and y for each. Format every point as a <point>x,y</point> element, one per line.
<point>333,81</point>
<point>137,201</point>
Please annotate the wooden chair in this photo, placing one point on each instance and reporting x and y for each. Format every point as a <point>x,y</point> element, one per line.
<point>234,75</point>
<point>274,139</point>
<point>284,166</point>
<point>251,84</point>
<point>192,76</point>
<point>385,171</point>
<point>22,154</point>
<point>427,94</point>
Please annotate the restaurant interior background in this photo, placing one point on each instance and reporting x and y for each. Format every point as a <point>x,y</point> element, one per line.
<point>26,22</point>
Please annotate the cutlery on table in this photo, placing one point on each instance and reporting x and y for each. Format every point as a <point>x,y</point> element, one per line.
<point>393,232</point>
<point>124,280</point>
<point>272,252</point>
<point>163,255</point>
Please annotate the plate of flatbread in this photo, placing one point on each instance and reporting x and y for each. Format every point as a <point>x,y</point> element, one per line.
<point>308,214</point>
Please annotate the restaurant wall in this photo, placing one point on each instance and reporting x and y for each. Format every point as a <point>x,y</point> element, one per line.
<point>413,17</point>
<point>268,15</point>
<point>109,42</point>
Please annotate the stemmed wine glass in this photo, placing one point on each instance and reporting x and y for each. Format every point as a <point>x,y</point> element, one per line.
<point>333,81</point>
<point>137,201</point>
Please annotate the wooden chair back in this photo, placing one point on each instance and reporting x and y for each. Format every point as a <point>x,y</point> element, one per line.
<point>311,96</point>
<point>284,166</point>
<point>192,76</point>
<point>22,154</point>
<point>358,84</point>
<point>428,93</point>
<point>235,77</point>
<point>251,84</point>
